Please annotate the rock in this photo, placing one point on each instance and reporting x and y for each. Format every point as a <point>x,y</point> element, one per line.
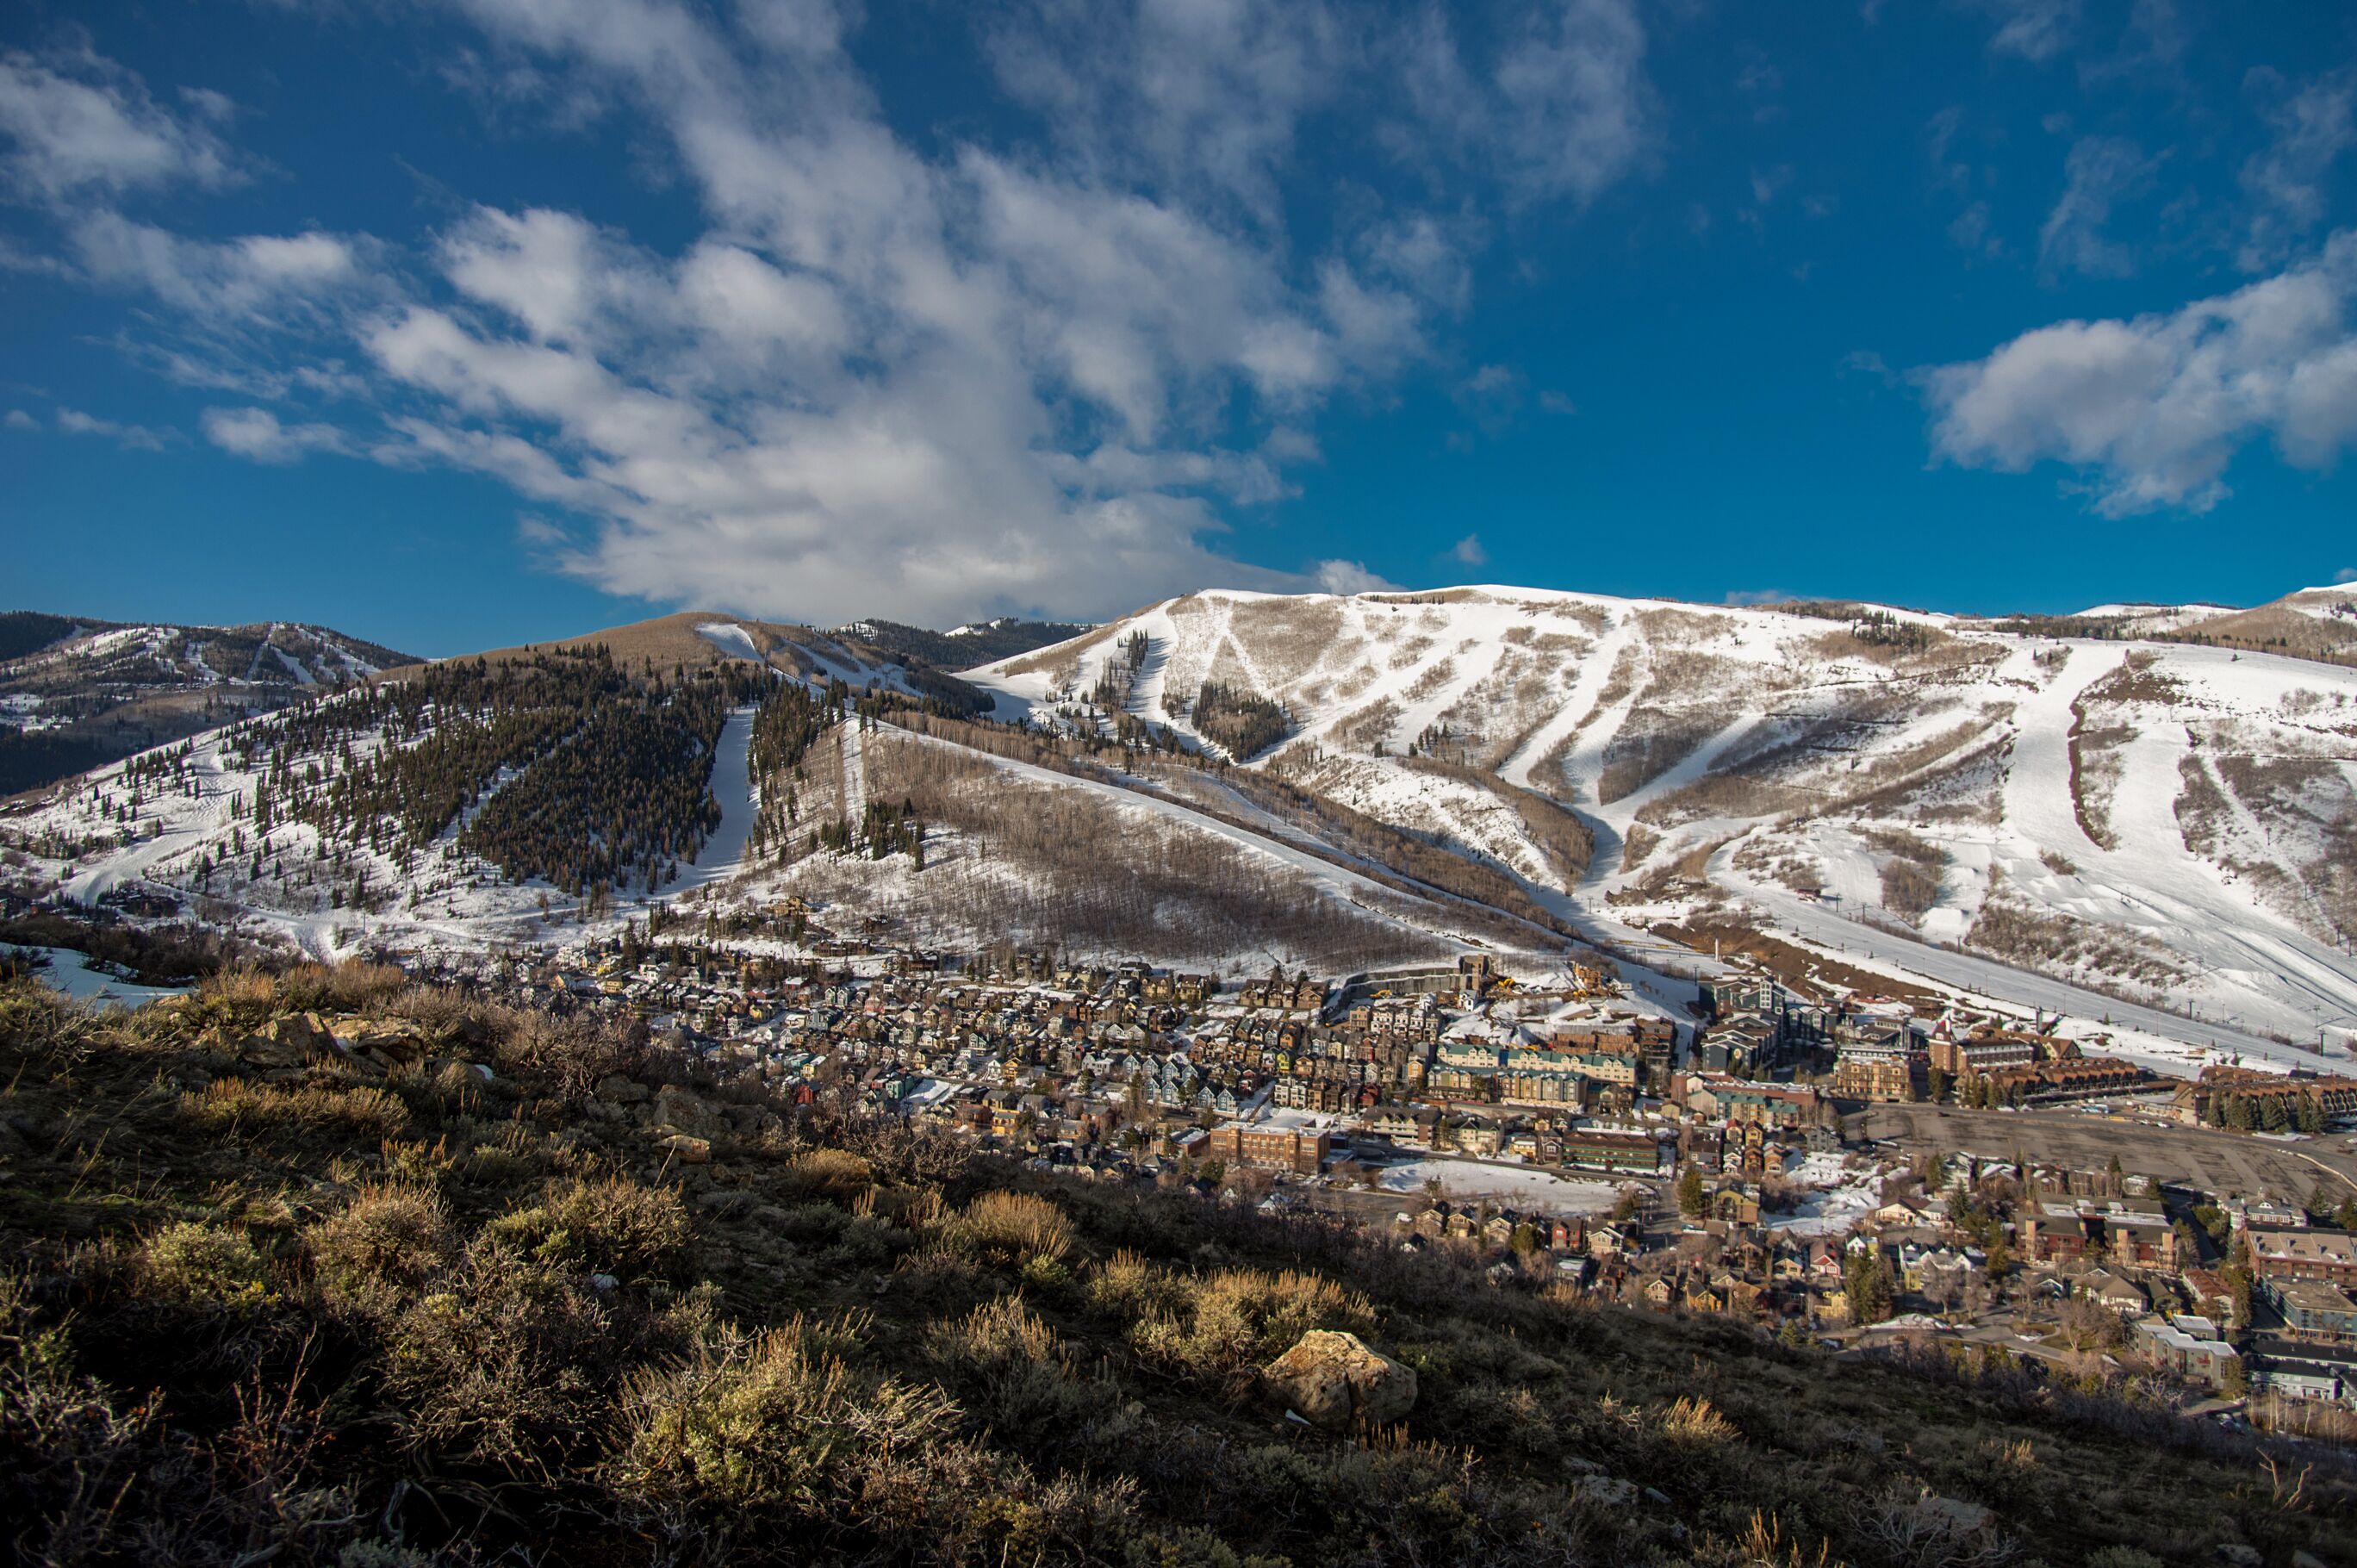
<point>1955,1515</point>
<point>686,1150</point>
<point>676,1107</point>
<point>290,1041</point>
<point>388,1042</point>
<point>1607,1491</point>
<point>621,1090</point>
<point>1655,1494</point>
<point>2307,1559</point>
<point>602,1283</point>
<point>2238,1555</point>
<point>1336,1381</point>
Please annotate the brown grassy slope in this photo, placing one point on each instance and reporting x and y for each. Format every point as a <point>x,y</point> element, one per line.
<point>503,1319</point>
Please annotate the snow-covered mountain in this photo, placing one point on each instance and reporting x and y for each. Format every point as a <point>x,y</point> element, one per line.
<point>2060,813</point>
<point>2168,821</point>
<point>75,693</point>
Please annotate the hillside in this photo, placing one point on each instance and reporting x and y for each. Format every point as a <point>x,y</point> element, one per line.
<point>336,1268</point>
<point>532,793</point>
<point>76,693</point>
<point>963,647</point>
<point>2147,822</point>
<point>2162,836</point>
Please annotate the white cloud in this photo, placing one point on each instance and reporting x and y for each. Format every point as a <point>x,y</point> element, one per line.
<point>1202,96</point>
<point>1560,110</point>
<point>2286,182</point>
<point>1746,597</point>
<point>2346,575</point>
<point>78,124</point>
<point>136,437</point>
<point>19,420</point>
<point>2037,31</point>
<point>2153,409</point>
<point>923,375</point>
<point>2100,172</point>
<point>1350,577</point>
<point>255,432</point>
<point>255,276</point>
<point>1467,552</point>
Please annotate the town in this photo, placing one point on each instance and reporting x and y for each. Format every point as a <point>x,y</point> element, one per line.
<point>1840,1169</point>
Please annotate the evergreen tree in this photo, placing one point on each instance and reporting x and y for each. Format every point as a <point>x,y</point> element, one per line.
<point>1692,1199</point>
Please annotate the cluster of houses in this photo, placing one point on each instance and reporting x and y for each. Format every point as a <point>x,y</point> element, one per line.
<point>1122,1071</point>
<point>1895,1062</point>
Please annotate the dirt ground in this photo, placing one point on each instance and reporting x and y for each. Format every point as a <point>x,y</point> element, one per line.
<point>2226,1164</point>
<point>1814,975</point>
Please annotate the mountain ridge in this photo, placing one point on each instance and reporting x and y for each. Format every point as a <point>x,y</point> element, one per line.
<point>1987,799</point>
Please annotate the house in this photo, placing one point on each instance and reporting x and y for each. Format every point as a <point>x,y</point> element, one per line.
<point>2313,1311</point>
<point>2198,1357</point>
<point>2328,1256</point>
<point>2109,1291</point>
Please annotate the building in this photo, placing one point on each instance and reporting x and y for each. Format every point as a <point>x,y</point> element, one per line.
<point>1633,1150</point>
<point>1272,1148</point>
<point>2312,1310</point>
<point>2258,1095</point>
<point>2190,1348</point>
<point>1886,1066</point>
<point>1971,1056</point>
<point>2329,1257</point>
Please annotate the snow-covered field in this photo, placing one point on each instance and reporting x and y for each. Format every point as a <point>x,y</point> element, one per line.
<point>73,974</point>
<point>1838,1197</point>
<point>1519,1185</point>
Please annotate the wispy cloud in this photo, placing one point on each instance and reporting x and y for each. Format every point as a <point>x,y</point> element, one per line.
<point>2035,30</point>
<point>74,421</point>
<point>255,432</point>
<point>938,376</point>
<point>2310,128</point>
<point>2100,173</point>
<point>1350,577</point>
<point>79,124</point>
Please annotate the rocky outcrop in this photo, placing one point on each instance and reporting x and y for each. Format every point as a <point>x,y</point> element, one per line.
<point>1337,1382</point>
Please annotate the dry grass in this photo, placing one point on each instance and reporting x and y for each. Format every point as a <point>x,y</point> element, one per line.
<point>1006,1230</point>
<point>241,1108</point>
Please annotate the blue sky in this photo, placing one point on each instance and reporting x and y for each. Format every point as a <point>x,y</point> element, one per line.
<point>458,324</point>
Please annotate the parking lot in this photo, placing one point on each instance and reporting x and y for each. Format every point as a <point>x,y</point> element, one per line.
<point>2226,1164</point>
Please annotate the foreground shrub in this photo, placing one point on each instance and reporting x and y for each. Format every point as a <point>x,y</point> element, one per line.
<point>1232,1321</point>
<point>1014,1374</point>
<point>1007,1227</point>
<point>572,1054</point>
<point>508,1364</point>
<point>612,1225</point>
<point>768,1424</point>
<point>835,1173</point>
<point>354,985</point>
<point>387,1242</point>
<point>207,1265</point>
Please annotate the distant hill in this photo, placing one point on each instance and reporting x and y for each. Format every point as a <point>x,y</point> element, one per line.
<point>76,693</point>
<point>983,642</point>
